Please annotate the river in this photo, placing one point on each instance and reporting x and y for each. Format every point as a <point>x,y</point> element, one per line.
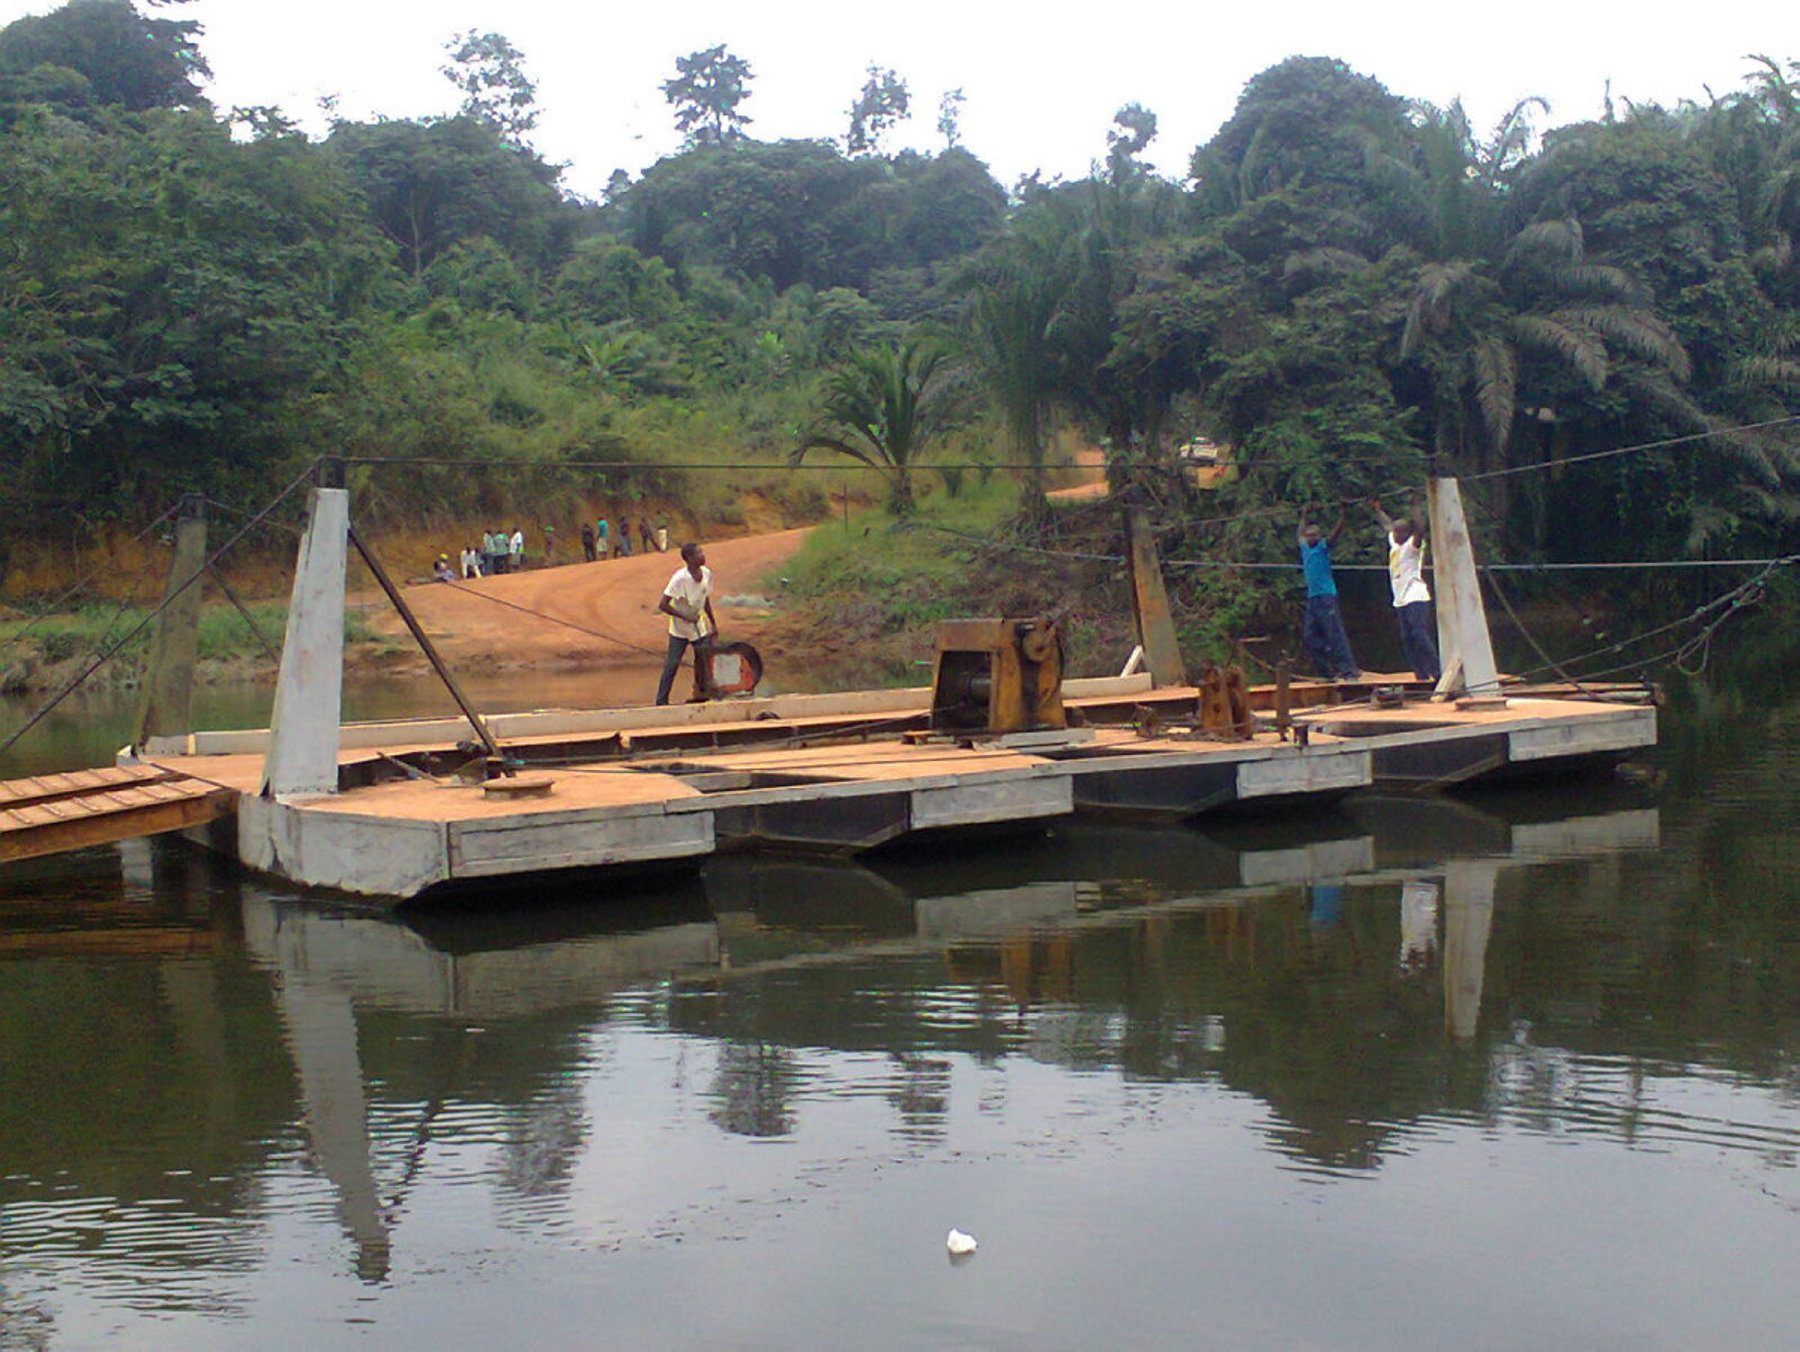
<point>1498,1070</point>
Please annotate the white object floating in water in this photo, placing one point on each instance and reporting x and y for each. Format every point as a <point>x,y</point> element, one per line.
<point>958,1242</point>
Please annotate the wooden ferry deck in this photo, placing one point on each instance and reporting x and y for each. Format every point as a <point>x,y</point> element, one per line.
<point>838,782</point>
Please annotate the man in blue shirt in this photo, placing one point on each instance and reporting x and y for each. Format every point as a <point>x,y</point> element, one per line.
<point>1323,631</point>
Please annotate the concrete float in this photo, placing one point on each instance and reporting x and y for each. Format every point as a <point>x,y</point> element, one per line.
<point>374,810</point>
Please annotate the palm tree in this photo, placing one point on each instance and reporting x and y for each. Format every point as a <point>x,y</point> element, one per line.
<point>1016,292</point>
<point>1471,324</point>
<point>883,406</point>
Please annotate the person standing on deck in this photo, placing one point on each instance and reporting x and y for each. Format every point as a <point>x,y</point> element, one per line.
<point>1322,631</point>
<point>1412,601</point>
<point>687,601</point>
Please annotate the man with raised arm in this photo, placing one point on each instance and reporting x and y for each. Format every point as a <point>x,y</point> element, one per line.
<point>687,601</point>
<point>1412,600</point>
<point>1322,631</point>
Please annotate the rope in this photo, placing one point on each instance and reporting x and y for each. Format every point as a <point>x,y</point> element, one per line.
<point>81,584</point>
<point>553,619</point>
<point>287,527</point>
<point>1118,462</point>
<point>100,661</point>
<point>1633,564</point>
<point>1664,444</point>
<point>1729,603</point>
<point>737,466</point>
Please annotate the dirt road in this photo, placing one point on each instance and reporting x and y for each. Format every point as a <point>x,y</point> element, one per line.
<point>575,618</point>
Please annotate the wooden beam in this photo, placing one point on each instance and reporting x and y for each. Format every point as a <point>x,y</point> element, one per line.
<point>1150,602</point>
<point>55,826</point>
<point>166,709</point>
<point>77,783</point>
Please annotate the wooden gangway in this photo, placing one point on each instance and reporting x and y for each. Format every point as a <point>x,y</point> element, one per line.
<point>50,814</point>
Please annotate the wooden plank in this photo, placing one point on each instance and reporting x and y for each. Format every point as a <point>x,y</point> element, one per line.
<point>61,810</point>
<point>74,783</point>
<point>29,833</point>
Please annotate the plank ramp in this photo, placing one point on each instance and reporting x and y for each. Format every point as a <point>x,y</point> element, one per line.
<point>51,814</point>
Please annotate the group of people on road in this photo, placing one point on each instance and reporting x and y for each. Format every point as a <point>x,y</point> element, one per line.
<point>1322,631</point>
<point>502,551</point>
<point>601,539</point>
<point>499,552</point>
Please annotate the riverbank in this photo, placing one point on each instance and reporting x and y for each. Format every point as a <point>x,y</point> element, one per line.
<point>580,617</point>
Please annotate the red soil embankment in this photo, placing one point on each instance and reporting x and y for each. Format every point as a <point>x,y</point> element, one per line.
<point>578,617</point>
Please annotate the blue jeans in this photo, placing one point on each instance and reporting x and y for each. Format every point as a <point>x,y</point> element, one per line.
<point>672,664</point>
<point>1326,643</point>
<point>1416,638</point>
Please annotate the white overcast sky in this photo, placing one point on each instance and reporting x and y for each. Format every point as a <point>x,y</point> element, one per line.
<point>1041,81</point>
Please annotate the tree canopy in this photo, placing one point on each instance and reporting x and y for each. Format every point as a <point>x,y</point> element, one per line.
<point>123,58</point>
<point>1351,286</point>
<point>707,91</point>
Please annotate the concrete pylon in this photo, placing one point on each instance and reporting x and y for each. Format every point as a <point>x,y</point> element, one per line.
<point>1468,921</point>
<point>309,695</point>
<point>165,714</point>
<point>1465,648</point>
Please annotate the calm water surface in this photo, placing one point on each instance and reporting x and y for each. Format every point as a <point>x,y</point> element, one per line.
<point>1496,1071</point>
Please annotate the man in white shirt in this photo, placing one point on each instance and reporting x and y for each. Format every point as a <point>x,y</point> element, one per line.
<point>687,601</point>
<point>1412,600</point>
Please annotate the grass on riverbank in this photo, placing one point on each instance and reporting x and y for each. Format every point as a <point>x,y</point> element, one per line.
<point>47,650</point>
<point>897,573</point>
<point>873,593</point>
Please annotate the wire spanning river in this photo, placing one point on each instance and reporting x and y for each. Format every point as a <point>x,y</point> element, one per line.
<point>1492,1071</point>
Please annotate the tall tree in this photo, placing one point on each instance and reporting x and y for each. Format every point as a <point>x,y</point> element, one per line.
<point>126,59</point>
<point>433,185</point>
<point>1015,291</point>
<point>1134,128</point>
<point>181,336</point>
<point>883,104</point>
<point>706,92</point>
<point>490,72</point>
<point>949,119</point>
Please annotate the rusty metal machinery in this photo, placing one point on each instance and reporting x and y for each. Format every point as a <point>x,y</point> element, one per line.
<point>998,676</point>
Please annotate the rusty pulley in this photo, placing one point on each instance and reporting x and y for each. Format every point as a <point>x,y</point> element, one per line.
<point>1039,641</point>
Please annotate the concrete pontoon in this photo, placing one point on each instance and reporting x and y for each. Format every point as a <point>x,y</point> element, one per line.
<point>381,810</point>
<point>394,835</point>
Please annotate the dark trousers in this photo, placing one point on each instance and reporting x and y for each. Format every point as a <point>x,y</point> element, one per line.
<point>672,664</point>
<point>1326,642</point>
<point>1417,640</point>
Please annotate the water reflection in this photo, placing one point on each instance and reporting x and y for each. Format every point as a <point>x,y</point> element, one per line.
<point>191,1057</point>
<point>1170,955</point>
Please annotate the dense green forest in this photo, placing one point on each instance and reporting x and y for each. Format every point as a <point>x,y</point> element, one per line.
<point>1350,289</point>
